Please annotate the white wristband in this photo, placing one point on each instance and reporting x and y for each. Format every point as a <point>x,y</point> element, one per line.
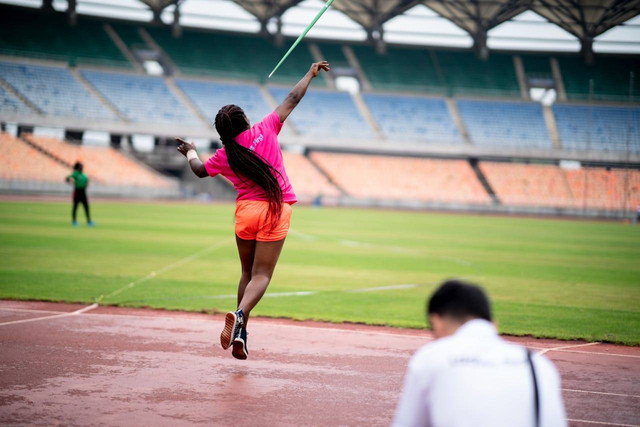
<point>191,154</point>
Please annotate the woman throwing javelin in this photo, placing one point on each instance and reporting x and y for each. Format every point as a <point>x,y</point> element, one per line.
<point>251,159</point>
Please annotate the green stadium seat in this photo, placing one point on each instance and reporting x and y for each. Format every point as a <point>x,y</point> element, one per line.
<point>402,69</point>
<point>129,35</point>
<point>465,74</point>
<point>537,66</point>
<point>610,75</point>
<point>246,57</point>
<point>332,52</point>
<point>35,34</point>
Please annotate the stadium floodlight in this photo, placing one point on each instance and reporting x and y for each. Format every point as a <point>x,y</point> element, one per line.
<point>304,33</point>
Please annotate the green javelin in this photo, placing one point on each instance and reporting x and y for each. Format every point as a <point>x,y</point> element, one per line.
<point>304,33</point>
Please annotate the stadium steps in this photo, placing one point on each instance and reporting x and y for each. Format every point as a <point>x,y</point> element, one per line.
<point>184,99</point>
<point>355,64</point>
<point>122,47</point>
<point>521,75</point>
<point>96,93</point>
<point>318,57</point>
<point>27,140</point>
<point>166,59</point>
<point>557,77</point>
<point>324,173</point>
<point>457,119</point>
<point>473,162</point>
<point>552,127</point>
<point>366,114</point>
<point>9,88</point>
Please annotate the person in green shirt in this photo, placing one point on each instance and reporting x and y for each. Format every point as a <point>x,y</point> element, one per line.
<point>80,183</point>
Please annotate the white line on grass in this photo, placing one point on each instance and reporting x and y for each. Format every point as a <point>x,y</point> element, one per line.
<point>383,288</point>
<point>565,347</point>
<point>601,423</point>
<point>73,313</point>
<point>163,270</point>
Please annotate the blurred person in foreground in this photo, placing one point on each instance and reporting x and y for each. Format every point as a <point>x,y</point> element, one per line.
<point>469,376</point>
<point>80,184</point>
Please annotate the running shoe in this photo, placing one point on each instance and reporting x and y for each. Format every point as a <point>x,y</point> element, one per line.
<point>240,345</point>
<point>232,322</point>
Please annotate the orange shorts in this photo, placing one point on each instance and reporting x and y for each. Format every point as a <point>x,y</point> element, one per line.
<point>251,221</point>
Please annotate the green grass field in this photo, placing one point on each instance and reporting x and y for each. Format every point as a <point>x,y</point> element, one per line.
<point>547,278</point>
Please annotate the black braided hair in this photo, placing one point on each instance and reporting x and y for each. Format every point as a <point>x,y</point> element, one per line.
<point>246,164</point>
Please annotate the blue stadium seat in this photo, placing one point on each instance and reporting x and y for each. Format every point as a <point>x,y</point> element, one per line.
<point>9,104</point>
<point>54,90</point>
<point>329,113</point>
<point>415,118</point>
<point>208,97</point>
<point>143,99</point>
<point>505,124</point>
<point>608,128</point>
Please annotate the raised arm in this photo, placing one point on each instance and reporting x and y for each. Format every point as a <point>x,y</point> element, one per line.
<point>188,149</point>
<point>298,91</point>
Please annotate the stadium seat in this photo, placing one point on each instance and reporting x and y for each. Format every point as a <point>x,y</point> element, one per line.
<point>599,188</point>
<point>235,56</point>
<point>143,99</point>
<point>32,33</point>
<point>400,68</point>
<point>537,66</point>
<point>413,118</point>
<point>103,164</point>
<point>515,124</point>
<point>129,35</point>
<point>9,104</point>
<point>208,97</point>
<point>332,52</point>
<point>21,162</point>
<point>307,181</point>
<point>610,75</point>
<point>329,113</point>
<point>465,74</point>
<point>54,90</point>
<point>598,127</point>
<point>403,178</point>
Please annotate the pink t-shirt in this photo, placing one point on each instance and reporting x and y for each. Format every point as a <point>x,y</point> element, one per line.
<point>262,139</point>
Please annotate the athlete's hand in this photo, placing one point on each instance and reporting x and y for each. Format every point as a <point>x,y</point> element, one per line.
<point>317,66</point>
<point>185,146</point>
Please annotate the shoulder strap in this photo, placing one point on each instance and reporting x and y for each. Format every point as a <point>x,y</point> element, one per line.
<point>536,397</point>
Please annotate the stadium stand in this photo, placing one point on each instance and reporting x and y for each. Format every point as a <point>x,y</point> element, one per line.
<point>465,74</point>
<point>9,104</point>
<point>537,66</point>
<point>598,127</point>
<point>105,165</point>
<point>411,117</point>
<point>332,52</point>
<point>31,33</point>
<point>54,90</point>
<point>225,55</point>
<point>416,73</point>
<point>307,181</point>
<point>129,35</point>
<point>519,184</point>
<point>20,162</point>
<point>505,123</point>
<point>403,178</point>
<point>209,96</point>
<point>610,75</point>
<point>324,112</point>
<point>143,99</point>
<point>600,188</point>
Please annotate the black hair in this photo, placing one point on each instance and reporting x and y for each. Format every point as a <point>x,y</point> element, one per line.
<point>77,167</point>
<point>245,163</point>
<point>460,300</point>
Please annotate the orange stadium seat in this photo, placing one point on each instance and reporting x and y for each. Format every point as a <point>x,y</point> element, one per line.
<point>306,179</point>
<point>403,178</point>
<point>599,188</point>
<point>21,162</point>
<point>105,165</point>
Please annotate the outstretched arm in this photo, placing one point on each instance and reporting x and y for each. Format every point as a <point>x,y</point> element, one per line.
<point>298,91</point>
<point>188,150</point>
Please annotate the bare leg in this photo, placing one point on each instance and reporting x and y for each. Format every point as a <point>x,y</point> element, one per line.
<point>246,250</point>
<point>264,262</point>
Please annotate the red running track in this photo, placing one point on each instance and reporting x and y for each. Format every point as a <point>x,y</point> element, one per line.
<point>115,366</point>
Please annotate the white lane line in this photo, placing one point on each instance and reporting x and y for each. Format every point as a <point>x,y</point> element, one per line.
<point>601,393</point>
<point>73,313</point>
<point>601,423</point>
<point>163,270</point>
<point>384,288</point>
<point>565,347</point>
<point>599,353</point>
<point>26,310</point>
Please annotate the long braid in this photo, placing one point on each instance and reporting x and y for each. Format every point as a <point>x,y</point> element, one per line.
<point>246,164</point>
